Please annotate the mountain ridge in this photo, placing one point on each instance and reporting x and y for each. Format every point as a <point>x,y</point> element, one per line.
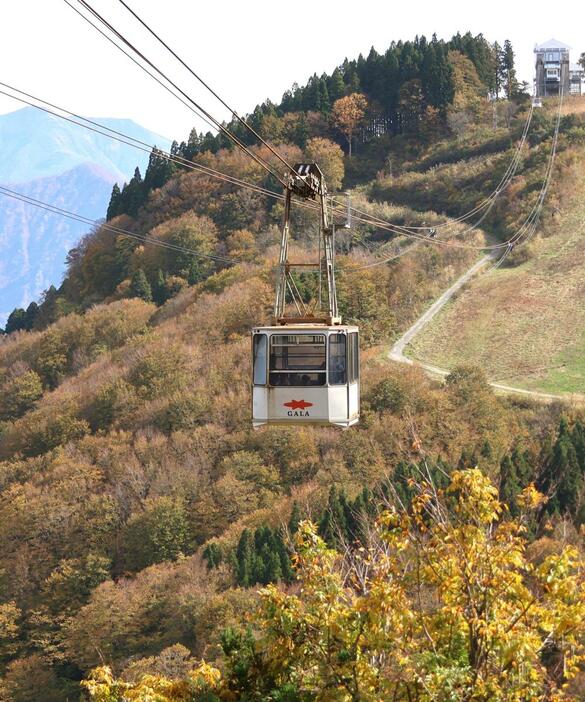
<point>63,165</point>
<point>36,144</point>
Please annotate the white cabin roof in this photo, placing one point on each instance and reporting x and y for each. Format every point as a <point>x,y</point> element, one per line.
<point>551,44</point>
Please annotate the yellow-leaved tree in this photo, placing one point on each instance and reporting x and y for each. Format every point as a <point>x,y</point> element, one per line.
<point>441,605</point>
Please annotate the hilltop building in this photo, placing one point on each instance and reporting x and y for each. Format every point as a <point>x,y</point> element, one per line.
<point>552,68</point>
<point>576,79</point>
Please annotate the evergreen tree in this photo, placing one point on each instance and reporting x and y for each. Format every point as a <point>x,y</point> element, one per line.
<point>352,81</point>
<point>324,103</point>
<point>159,288</point>
<point>140,287</point>
<point>213,555</point>
<point>562,479</point>
<point>32,312</point>
<point>273,569</point>
<point>49,307</point>
<point>480,53</point>
<point>333,526</point>
<point>508,69</point>
<point>522,466</point>
<point>193,145</point>
<point>486,450</point>
<point>245,559</point>
<point>509,485</point>
<point>132,196</point>
<point>578,438</point>
<point>401,482</point>
<point>498,76</point>
<point>295,518</point>
<point>158,172</point>
<point>16,321</point>
<point>336,86</point>
<point>115,202</point>
<point>437,75</point>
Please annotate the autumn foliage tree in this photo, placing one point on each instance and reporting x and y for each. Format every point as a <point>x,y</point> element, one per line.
<point>329,156</point>
<point>348,113</point>
<point>442,604</point>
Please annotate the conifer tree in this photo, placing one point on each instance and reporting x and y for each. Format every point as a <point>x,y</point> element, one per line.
<point>509,485</point>
<point>32,312</point>
<point>132,196</point>
<point>158,172</point>
<point>508,69</point>
<point>333,525</point>
<point>16,321</point>
<point>245,559</point>
<point>578,437</point>
<point>336,87</point>
<point>562,480</point>
<point>159,289</point>
<point>486,450</point>
<point>140,287</point>
<point>213,555</point>
<point>437,75</point>
<point>498,75</point>
<point>115,201</point>
<point>295,518</point>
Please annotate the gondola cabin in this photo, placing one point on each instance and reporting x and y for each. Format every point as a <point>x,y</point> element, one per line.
<point>305,374</point>
<point>305,367</point>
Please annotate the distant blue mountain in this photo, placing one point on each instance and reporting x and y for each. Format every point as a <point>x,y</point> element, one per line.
<point>60,163</point>
<point>35,144</point>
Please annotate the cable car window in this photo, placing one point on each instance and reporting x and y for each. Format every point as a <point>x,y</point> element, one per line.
<point>297,360</point>
<point>260,358</point>
<point>337,359</point>
<point>354,358</point>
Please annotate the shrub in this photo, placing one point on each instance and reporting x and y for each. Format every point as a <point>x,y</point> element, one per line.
<point>20,394</point>
<point>113,402</point>
<point>185,410</point>
<point>63,428</point>
<point>159,533</point>
<point>52,359</point>
<point>159,370</point>
<point>518,256</point>
<point>388,395</point>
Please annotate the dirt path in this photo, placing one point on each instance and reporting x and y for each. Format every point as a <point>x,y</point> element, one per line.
<point>397,351</point>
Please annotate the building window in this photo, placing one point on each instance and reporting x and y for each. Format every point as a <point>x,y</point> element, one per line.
<point>260,349</point>
<point>337,359</point>
<point>298,360</point>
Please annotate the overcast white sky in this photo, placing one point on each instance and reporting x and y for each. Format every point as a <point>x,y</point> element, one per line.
<point>246,50</point>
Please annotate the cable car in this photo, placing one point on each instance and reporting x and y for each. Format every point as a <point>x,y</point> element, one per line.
<point>305,373</point>
<point>305,366</point>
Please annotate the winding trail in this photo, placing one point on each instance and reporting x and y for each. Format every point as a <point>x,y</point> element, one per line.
<point>396,353</point>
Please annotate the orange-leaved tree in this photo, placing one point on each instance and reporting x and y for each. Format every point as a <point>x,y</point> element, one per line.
<point>348,113</point>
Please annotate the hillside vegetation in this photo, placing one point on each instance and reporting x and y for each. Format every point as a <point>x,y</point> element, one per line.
<point>523,323</point>
<point>139,512</point>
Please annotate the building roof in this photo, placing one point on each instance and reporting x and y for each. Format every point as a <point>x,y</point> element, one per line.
<point>551,44</point>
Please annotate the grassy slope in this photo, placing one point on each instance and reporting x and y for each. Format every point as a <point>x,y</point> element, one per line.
<point>525,325</point>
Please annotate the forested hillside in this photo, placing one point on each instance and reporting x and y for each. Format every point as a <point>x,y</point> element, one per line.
<point>433,552</point>
<point>54,161</point>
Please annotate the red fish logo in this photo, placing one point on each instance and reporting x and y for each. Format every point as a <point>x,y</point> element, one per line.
<point>298,404</point>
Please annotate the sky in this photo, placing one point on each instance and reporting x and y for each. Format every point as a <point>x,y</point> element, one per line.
<point>247,51</point>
